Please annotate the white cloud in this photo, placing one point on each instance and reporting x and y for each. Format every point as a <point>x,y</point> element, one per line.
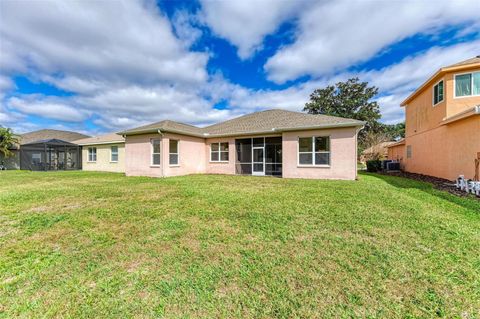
<point>183,23</point>
<point>395,83</point>
<point>245,23</point>
<point>127,65</point>
<point>96,39</point>
<point>412,71</point>
<point>334,35</point>
<point>53,108</point>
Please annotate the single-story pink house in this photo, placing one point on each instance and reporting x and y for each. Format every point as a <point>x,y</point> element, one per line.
<point>273,142</point>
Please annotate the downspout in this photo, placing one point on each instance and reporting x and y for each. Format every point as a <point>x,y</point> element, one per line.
<point>161,152</point>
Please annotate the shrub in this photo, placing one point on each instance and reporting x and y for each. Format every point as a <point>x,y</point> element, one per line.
<point>374,166</point>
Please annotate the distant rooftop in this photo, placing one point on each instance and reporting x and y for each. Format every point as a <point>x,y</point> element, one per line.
<point>49,134</point>
<point>101,139</point>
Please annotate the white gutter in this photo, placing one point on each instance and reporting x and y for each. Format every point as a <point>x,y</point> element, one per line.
<point>356,151</point>
<point>100,143</point>
<point>161,153</point>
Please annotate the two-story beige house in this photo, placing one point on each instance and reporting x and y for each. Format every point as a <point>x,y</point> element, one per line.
<point>442,136</point>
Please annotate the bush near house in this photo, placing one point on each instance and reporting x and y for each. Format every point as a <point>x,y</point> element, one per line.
<point>374,166</point>
<point>102,245</point>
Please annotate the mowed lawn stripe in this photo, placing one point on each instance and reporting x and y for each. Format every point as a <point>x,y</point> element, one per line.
<point>86,244</point>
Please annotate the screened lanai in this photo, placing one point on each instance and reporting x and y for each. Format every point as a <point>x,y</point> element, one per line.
<point>50,155</point>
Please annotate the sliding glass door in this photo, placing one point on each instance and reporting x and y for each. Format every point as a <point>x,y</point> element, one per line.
<point>258,164</point>
<point>259,156</point>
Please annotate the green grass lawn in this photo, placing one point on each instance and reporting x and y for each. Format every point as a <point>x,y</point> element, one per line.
<point>79,244</point>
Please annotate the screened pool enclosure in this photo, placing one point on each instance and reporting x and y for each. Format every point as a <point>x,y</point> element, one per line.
<point>50,155</point>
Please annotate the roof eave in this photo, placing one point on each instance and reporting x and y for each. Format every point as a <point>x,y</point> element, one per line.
<point>99,143</point>
<point>155,130</point>
<point>272,131</point>
<point>463,115</point>
<point>290,129</point>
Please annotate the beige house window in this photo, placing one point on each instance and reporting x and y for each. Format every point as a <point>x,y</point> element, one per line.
<point>114,154</point>
<point>92,154</point>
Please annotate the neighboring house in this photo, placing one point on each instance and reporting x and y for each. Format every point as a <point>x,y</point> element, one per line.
<point>273,142</point>
<point>396,152</point>
<point>103,153</point>
<point>46,150</point>
<point>379,151</point>
<point>442,133</point>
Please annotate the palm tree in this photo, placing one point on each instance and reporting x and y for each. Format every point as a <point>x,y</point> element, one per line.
<point>7,140</point>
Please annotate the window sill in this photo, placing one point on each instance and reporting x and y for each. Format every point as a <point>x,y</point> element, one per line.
<point>91,162</point>
<point>313,166</point>
<point>113,162</point>
<point>466,96</point>
<point>176,165</point>
<point>219,162</point>
<point>155,166</point>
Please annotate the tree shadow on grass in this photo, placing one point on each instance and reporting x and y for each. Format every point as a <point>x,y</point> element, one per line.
<point>469,202</point>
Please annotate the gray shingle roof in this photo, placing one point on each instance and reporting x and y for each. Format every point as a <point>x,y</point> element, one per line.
<point>48,134</point>
<point>258,122</point>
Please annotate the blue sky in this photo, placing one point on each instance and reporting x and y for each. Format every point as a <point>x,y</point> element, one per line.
<point>102,66</point>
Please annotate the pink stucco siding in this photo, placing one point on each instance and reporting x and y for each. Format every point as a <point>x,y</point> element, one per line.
<point>343,155</point>
<point>191,155</point>
<point>220,167</point>
<point>138,152</point>
<point>194,155</point>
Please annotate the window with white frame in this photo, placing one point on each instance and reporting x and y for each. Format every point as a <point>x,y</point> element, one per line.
<point>438,93</point>
<point>467,84</point>
<point>314,150</point>
<point>114,153</point>
<point>155,152</point>
<point>219,152</point>
<point>92,154</point>
<point>173,149</point>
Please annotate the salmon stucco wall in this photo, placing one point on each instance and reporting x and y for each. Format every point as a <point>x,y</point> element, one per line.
<point>439,149</point>
<point>104,162</point>
<point>138,150</point>
<point>447,151</point>
<point>343,155</point>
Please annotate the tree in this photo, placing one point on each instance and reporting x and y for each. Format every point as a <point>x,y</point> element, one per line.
<point>7,140</point>
<point>351,99</point>
<point>394,131</point>
<point>373,145</point>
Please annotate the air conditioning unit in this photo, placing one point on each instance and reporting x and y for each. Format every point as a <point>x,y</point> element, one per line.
<point>393,166</point>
